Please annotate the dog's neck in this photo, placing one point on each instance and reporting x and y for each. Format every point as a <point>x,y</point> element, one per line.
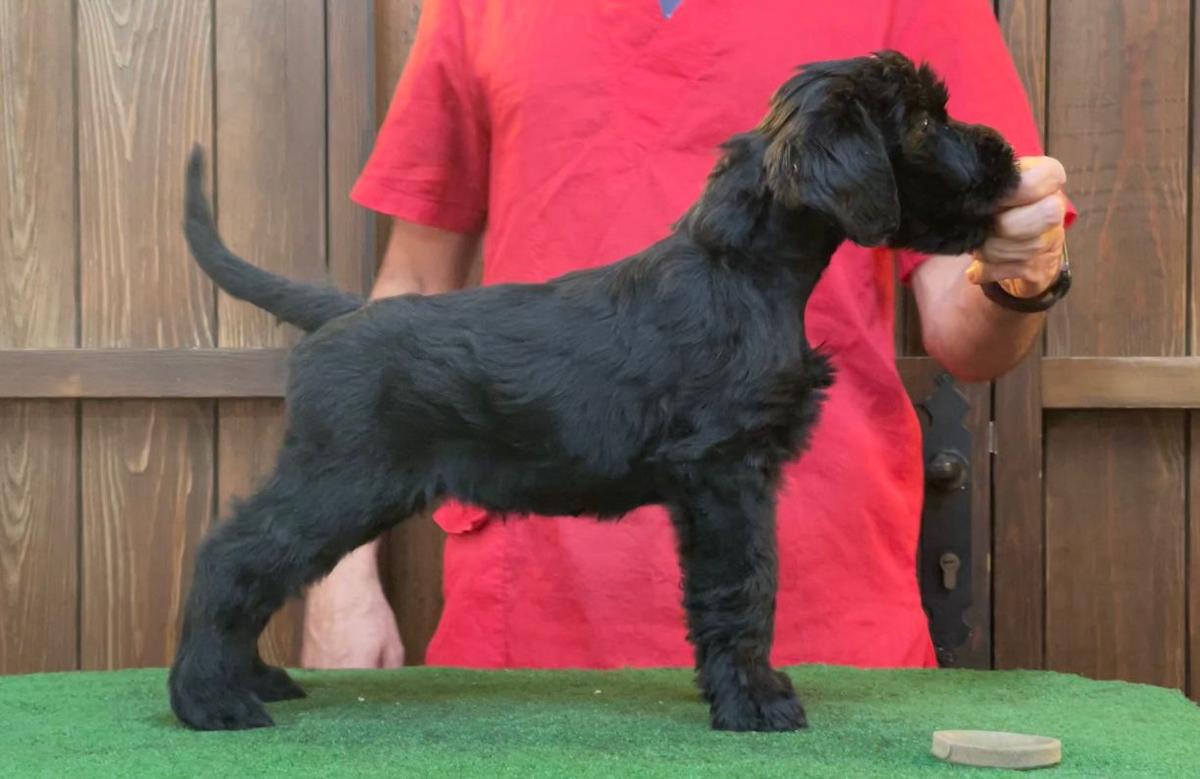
<point>779,247</point>
<point>740,224</point>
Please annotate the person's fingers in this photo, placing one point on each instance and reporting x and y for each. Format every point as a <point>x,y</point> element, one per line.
<point>980,272</point>
<point>1036,273</point>
<point>1040,178</point>
<point>999,249</point>
<point>1032,220</point>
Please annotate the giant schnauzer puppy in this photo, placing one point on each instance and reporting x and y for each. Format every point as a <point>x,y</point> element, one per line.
<point>679,376</point>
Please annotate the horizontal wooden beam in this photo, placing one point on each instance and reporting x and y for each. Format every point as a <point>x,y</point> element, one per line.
<point>204,373</point>
<point>142,373</point>
<point>1121,382</point>
<point>1067,382</point>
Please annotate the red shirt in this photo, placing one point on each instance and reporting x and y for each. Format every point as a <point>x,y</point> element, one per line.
<point>578,132</point>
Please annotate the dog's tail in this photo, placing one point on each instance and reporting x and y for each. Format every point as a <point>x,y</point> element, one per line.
<point>307,306</point>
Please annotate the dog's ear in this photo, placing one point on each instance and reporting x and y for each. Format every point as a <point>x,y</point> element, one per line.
<point>824,152</point>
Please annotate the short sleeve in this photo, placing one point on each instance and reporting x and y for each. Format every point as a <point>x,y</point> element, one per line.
<point>961,40</point>
<point>430,160</point>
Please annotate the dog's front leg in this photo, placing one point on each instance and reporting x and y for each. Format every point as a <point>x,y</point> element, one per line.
<point>727,547</point>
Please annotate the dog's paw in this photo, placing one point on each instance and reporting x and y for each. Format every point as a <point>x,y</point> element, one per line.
<point>214,709</point>
<point>768,707</point>
<point>777,715</point>
<point>272,684</point>
<point>211,701</point>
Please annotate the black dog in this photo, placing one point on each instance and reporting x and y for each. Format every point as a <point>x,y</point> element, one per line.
<point>679,376</point>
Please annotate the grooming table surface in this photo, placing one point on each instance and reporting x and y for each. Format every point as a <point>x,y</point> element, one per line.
<point>440,722</point>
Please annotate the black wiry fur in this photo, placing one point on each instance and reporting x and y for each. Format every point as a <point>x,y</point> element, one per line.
<point>678,376</point>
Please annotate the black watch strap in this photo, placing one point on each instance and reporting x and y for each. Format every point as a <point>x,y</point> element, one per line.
<point>1049,296</point>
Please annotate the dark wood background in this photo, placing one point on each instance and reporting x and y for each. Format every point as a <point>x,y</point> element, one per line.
<point>135,400</point>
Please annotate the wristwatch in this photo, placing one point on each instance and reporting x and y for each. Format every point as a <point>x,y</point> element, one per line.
<point>1041,302</point>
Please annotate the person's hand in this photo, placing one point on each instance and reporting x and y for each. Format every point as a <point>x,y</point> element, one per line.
<point>1025,250</point>
<point>348,622</point>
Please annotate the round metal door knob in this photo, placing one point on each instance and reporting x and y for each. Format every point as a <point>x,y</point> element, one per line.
<point>947,471</point>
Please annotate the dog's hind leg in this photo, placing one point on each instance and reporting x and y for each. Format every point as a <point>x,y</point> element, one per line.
<point>290,533</point>
<point>726,532</point>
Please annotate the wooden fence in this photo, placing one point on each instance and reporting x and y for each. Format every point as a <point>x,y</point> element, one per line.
<point>135,401</point>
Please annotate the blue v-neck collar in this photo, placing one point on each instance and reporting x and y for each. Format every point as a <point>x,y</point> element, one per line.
<point>668,7</point>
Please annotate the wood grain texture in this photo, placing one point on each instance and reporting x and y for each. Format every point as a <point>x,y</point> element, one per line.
<point>1121,382</point>
<point>39,539</point>
<point>395,30</point>
<point>143,373</point>
<point>148,499</point>
<point>37,175</point>
<point>39,543</point>
<point>1193,597</point>
<point>144,100</point>
<point>270,199</point>
<point>1018,519</point>
<point>1018,546</point>
<point>1023,23</point>
<point>1119,123</point>
<point>1115,545</point>
<point>1193,557</point>
<point>270,161</point>
<point>1115,480</point>
<point>1194,192</point>
<point>351,127</point>
<point>145,97</point>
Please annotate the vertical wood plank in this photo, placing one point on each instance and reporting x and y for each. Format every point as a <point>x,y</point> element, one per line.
<point>979,650</point>
<point>1194,191</point>
<point>1193,557</point>
<point>1194,417</point>
<point>147,486</point>
<point>411,558</point>
<point>1193,596</point>
<point>1115,481</point>
<point>395,30</point>
<point>145,89</point>
<point>351,127</point>
<point>1023,23</point>
<point>37,175</point>
<point>270,196</point>
<point>39,539</point>
<point>1119,123</point>
<point>1018,569</point>
<point>1115,553</point>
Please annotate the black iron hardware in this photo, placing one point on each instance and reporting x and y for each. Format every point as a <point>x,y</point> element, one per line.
<point>944,555</point>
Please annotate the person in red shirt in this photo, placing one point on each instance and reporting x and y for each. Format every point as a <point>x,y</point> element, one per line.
<point>570,135</point>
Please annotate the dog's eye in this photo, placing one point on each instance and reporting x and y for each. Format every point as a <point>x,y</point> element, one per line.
<point>924,123</point>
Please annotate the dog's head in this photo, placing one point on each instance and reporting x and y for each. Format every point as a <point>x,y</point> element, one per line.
<point>867,143</point>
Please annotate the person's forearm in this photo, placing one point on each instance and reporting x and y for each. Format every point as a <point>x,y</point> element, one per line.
<point>424,260</point>
<point>972,337</point>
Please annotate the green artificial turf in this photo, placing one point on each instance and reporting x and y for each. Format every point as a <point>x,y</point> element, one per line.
<point>438,722</point>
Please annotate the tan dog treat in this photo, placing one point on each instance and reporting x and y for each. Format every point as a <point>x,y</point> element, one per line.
<point>994,749</point>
